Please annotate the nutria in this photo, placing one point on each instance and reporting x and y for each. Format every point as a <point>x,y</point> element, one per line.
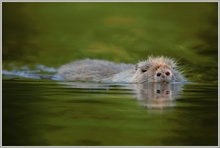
<point>154,69</point>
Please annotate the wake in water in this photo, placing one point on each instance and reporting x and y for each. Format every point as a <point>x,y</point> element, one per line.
<point>37,72</point>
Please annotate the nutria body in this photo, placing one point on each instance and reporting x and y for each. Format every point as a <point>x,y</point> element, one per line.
<point>154,69</point>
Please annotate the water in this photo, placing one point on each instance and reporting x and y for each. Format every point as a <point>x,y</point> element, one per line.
<point>72,113</point>
<point>41,109</point>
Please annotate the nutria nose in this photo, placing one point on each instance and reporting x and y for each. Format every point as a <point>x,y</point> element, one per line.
<point>158,74</point>
<point>167,73</point>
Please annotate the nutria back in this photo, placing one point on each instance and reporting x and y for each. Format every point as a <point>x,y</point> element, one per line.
<point>91,70</point>
<point>154,69</point>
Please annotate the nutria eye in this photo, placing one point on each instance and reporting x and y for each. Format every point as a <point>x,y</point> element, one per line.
<point>158,74</point>
<point>143,70</point>
<point>167,73</point>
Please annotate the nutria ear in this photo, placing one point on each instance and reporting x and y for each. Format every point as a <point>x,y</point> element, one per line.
<point>136,67</point>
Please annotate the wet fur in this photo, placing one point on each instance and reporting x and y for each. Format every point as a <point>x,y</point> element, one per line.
<point>105,71</point>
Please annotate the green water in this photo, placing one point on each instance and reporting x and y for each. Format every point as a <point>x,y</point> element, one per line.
<point>47,113</point>
<point>44,112</point>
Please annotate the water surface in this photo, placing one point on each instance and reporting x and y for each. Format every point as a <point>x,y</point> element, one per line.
<point>54,113</point>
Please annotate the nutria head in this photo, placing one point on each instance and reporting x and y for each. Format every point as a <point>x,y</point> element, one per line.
<point>157,69</point>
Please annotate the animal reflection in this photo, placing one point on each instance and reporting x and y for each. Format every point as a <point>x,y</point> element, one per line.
<point>153,96</point>
<point>157,95</point>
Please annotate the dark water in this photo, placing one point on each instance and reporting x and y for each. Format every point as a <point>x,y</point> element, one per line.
<point>39,109</point>
<point>70,113</point>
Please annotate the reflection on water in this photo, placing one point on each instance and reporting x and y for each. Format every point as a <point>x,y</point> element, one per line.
<point>153,96</point>
<point>55,113</point>
<point>156,96</point>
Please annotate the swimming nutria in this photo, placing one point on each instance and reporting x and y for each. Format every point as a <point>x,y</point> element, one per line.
<point>154,69</point>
